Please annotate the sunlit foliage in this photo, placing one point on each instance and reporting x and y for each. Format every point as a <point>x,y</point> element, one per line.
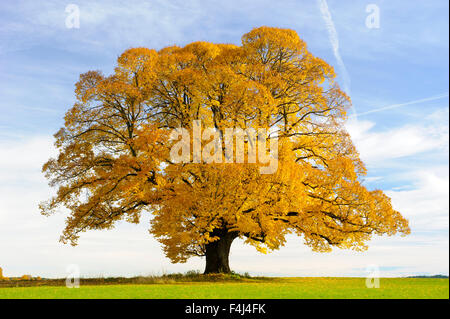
<point>114,163</point>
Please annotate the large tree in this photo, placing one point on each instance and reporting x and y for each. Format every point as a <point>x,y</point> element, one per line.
<point>114,158</point>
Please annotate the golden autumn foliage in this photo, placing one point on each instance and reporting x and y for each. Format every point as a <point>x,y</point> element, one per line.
<point>114,164</point>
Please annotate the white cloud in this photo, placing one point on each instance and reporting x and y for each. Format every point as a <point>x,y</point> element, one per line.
<point>427,205</point>
<point>21,159</point>
<point>411,139</point>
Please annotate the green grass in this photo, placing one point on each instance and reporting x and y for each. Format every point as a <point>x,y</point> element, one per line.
<point>268,288</point>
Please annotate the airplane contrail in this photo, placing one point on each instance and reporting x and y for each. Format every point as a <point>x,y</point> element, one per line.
<point>334,40</point>
<point>394,106</point>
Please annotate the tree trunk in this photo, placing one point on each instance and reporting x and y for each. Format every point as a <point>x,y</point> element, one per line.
<point>217,252</point>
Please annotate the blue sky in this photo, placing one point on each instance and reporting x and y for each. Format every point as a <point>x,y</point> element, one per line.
<point>397,76</point>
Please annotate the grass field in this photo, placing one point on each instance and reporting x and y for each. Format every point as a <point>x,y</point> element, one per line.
<point>269,288</point>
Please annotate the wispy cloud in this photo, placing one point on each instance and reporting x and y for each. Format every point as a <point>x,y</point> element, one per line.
<point>378,147</point>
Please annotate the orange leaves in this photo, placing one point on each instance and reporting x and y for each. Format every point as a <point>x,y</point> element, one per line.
<point>137,66</point>
<point>269,44</point>
<point>204,52</point>
<point>137,59</point>
<point>85,87</point>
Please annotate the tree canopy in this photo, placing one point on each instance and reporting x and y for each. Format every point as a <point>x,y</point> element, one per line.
<point>114,151</point>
